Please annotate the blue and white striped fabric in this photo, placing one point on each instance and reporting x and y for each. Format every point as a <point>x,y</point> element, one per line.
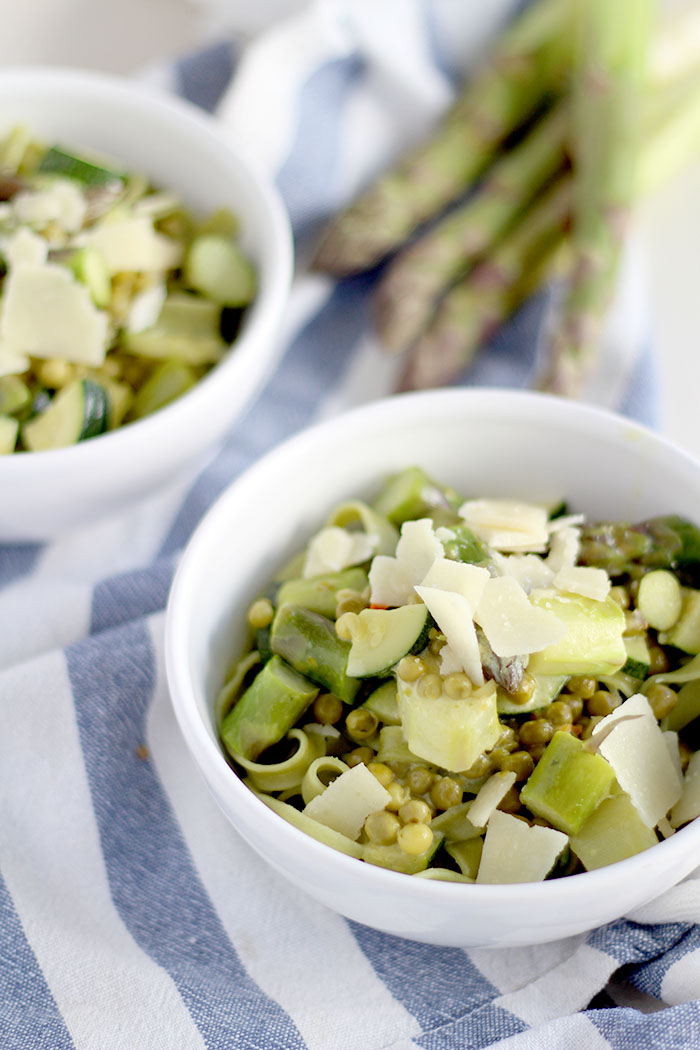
<point>132,917</point>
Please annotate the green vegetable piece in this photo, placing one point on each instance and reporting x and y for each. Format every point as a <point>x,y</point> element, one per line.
<point>355,512</point>
<point>593,641</point>
<point>79,411</point>
<point>467,855</point>
<point>89,267</point>
<point>381,637</point>
<point>168,381</point>
<point>384,704</point>
<point>223,222</point>
<point>393,857</point>
<point>9,428</point>
<point>567,784</point>
<point>446,732</point>
<point>312,827</point>
<point>659,599</point>
<point>668,542</point>
<point>685,633</point>
<point>687,707</point>
<point>187,328</point>
<point>392,747</point>
<point>455,825</point>
<point>320,593</point>
<point>613,832</point>
<point>413,494</point>
<point>308,642</point>
<point>267,710</point>
<point>465,546</point>
<point>15,396</point>
<point>216,267</point>
<point>638,661</point>
<point>58,161</point>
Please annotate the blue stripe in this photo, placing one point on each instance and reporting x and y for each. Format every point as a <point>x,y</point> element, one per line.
<point>449,997</point>
<point>152,878</point>
<point>511,358</point>
<point>203,77</point>
<point>649,977</point>
<point>631,943</point>
<point>29,1017</point>
<point>312,366</point>
<point>676,1028</point>
<point>308,178</point>
<point>120,599</point>
<point>641,399</point>
<point>18,560</point>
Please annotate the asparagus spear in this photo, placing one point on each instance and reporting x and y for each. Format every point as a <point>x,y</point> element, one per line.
<point>474,309</point>
<point>411,285</point>
<point>527,64</point>
<point>608,81</point>
<point>668,542</point>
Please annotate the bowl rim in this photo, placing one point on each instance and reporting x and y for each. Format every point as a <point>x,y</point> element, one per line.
<point>265,311</point>
<point>210,756</point>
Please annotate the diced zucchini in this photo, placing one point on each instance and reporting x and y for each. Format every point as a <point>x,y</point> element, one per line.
<point>613,832</point>
<point>567,784</point>
<point>58,161</point>
<point>547,688</point>
<point>89,267</point>
<point>320,593</point>
<point>168,381</point>
<point>467,855</point>
<point>15,395</point>
<point>9,428</point>
<point>593,641</point>
<point>687,707</point>
<point>393,856</point>
<point>310,644</point>
<point>383,702</point>
<point>381,637</point>
<point>392,747</point>
<point>449,733</point>
<point>267,710</point>
<point>638,660</point>
<point>187,328</point>
<point>79,411</point>
<point>216,267</point>
<point>660,599</point>
<point>688,805</point>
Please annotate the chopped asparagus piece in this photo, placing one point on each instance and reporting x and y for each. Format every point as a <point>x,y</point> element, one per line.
<point>685,632</point>
<point>467,854</point>
<point>58,161</point>
<point>687,707</point>
<point>308,642</point>
<point>267,710</point>
<point>412,494</point>
<point>169,380</point>
<point>567,784</point>
<point>688,806</point>
<point>187,328</point>
<point>593,642</point>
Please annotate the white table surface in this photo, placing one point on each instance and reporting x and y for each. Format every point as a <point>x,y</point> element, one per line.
<point>124,36</point>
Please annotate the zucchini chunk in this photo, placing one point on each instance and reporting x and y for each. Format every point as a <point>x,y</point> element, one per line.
<point>79,411</point>
<point>57,161</point>
<point>381,637</point>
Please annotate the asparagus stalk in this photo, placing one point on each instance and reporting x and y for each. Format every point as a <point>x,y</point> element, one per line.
<point>608,81</point>
<point>407,293</point>
<point>668,542</point>
<point>475,308</point>
<point>527,65</point>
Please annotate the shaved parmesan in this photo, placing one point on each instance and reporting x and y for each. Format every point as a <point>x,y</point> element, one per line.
<point>23,246</point>
<point>333,549</point>
<point>453,615</point>
<point>47,313</point>
<point>131,244</point>
<point>392,579</point>
<point>512,625</point>
<point>63,203</point>
<point>565,521</point>
<point>448,575</point>
<point>491,793</point>
<point>563,549</point>
<point>507,524</point>
<point>634,745</point>
<point>582,579</point>
<point>347,801</point>
<point>530,570</point>
<point>515,852</point>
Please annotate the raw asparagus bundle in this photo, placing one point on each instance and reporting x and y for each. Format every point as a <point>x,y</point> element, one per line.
<point>445,293</point>
<point>527,65</point>
<point>609,78</point>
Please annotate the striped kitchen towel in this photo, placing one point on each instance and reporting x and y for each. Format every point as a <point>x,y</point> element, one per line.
<point>132,917</point>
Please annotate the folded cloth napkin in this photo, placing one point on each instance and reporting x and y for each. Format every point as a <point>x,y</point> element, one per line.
<point>132,917</point>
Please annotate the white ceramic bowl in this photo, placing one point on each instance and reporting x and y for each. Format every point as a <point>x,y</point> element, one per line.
<point>181,148</point>
<point>493,443</point>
